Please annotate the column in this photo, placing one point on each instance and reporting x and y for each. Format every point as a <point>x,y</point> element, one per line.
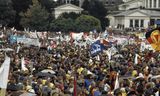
<point>133,23</point>
<point>152,3</point>
<point>139,23</point>
<point>148,3</point>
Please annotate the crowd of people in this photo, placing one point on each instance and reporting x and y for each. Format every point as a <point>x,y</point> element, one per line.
<point>72,71</point>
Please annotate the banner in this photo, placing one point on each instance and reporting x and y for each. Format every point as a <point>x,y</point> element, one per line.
<point>76,36</point>
<point>28,41</point>
<point>96,48</point>
<point>4,71</point>
<point>13,38</point>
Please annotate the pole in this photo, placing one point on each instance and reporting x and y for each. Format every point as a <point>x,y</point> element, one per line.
<point>75,86</point>
<point>2,92</point>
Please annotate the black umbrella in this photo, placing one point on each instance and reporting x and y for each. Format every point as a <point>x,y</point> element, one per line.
<point>41,74</point>
<point>12,87</point>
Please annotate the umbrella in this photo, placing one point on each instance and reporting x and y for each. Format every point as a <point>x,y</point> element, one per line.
<point>7,49</point>
<point>28,94</point>
<point>12,87</point>
<point>48,71</point>
<point>118,56</point>
<point>40,74</point>
<point>124,49</point>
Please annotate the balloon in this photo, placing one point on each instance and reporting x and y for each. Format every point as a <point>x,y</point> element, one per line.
<point>153,37</point>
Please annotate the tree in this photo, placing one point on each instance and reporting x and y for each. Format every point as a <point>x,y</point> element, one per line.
<point>87,23</point>
<point>36,17</point>
<point>48,4</point>
<point>96,9</point>
<point>20,6</point>
<point>7,14</point>
<point>62,24</point>
<point>71,15</point>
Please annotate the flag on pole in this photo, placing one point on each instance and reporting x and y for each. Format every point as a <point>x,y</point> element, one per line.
<point>142,47</point>
<point>75,86</point>
<point>136,59</point>
<point>4,71</point>
<point>96,48</point>
<point>18,49</point>
<point>23,66</point>
<point>116,86</point>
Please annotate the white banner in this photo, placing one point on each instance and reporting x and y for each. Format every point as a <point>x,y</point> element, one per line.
<point>28,41</point>
<point>4,71</point>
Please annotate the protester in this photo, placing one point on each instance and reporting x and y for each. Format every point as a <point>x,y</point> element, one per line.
<point>66,69</point>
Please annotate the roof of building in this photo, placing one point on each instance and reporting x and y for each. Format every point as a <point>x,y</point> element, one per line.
<point>129,2</point>
<point>146,12</point>
<point>70,5</point>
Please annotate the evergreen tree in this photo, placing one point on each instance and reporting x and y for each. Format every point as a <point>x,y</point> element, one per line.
<point>97,9</point>
<point>36,17</point>
<point>7,14</point>
<point>86,23</point>
<point>20,6</point>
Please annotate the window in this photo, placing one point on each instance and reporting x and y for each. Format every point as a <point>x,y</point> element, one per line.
<point>131,23</point>
<point>113,2</point>
<point>107,3</point>
<point>136,23</point>
<point>142,23</point>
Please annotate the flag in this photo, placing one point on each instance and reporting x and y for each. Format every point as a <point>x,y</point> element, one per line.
<point>76,36</point>
<point>4,71</point>
<point>109,54</point>
<point>23,66</point>
<point>105,34</point>
<point>136,59</point>
<point>98,58</point>
<point>18,49</point>
<point>2,35</point>
<point>142,47</point>
<point>116,86</point>
<point>75,87</point>
<point>96,48</point>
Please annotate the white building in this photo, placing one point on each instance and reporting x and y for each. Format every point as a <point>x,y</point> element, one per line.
<point>130,4</point>
<point>66,8</point>
<point>152,4</point>
<point>136,14</point>
<point>137,18</point>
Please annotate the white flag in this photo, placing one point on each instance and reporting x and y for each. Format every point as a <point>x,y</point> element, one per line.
<point>142,48</point>
<point>116,86</point>
<point>4,71</point>
<point>98,58</point>
<point>18,49</point>
<point>109,54</point>
<point>136,59</point>
<point>23,67</point>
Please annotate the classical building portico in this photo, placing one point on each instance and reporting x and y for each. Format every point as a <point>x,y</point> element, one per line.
<point>152,4</point>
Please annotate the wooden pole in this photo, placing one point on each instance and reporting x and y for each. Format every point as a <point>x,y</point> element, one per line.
<point>2,92</point>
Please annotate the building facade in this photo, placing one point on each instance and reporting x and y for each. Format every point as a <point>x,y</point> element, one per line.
<point>152,4</point>
<point>131,4</point>
<point>66,8</point>
<point>136,14</point>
